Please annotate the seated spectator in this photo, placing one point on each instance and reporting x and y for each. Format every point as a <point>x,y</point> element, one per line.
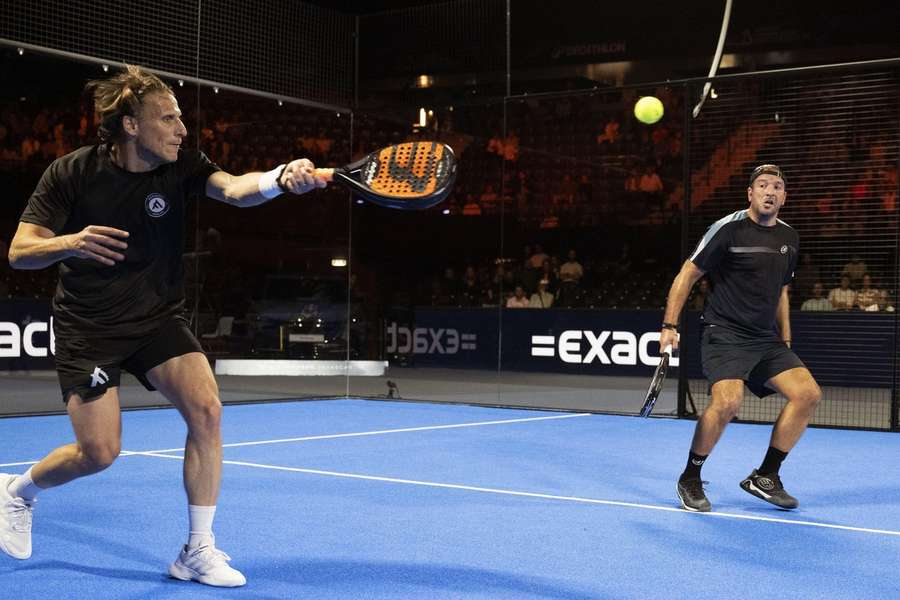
<point>632,182</point>
<point>818,302</point>
<point>542,298</point>
<point>507,148</point>
<point>571,270</point>
<point>323,144</point>
<point>550,220</point>
<point>471,292</point>
<point>855,269</point>
<point>698,301</point>
<point>610,133</point>
<point>869,298</point>
<point>842,298</point>
<point>548,273</point>
<point>488,198</point>
<point>518,300</point>
<point>30,147</point>
<point>649,181</point>
<point>471,208</point>
<point>519,190</point>
<point>536,260</point>
<point>806,275</point>
<point>565,194</point>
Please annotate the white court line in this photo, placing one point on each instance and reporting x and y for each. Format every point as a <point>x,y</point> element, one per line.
<point>20,464</point>
<point>470,488</point>
<point>342,435</point>
<point>34,462</point>
<point>382,432</point>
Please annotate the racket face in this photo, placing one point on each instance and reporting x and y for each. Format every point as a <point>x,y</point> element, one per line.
<point>659,376</point>
<point>409,175</point>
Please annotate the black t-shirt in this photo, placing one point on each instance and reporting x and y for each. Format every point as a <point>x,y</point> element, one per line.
<point>747,264</point>
<point>134,296</point>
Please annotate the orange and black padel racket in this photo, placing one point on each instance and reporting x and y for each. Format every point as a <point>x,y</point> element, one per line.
<point>408,176</point>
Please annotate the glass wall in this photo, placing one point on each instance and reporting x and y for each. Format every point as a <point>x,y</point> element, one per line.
<point>595,229</point>
<point>430,283</point>
<point>272,281</point>
<point>45,115</point>
<point>541,280</point>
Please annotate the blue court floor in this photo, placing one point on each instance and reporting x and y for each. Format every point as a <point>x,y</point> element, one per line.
<point>371,499</point>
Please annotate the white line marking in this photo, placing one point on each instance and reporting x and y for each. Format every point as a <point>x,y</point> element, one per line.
<point>384,431</point>
<point>543,340</point>
<point>34,462</point>
<point>470,488</point>
<point>340,435</point>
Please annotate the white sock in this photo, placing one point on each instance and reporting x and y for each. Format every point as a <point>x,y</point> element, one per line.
<point>23,487</point>
<point>201,519</point>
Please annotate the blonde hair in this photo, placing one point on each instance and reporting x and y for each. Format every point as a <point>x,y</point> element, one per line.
<point>120,96</point>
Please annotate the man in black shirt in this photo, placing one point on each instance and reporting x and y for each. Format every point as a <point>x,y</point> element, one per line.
<point>113,216</point>
<point>749,257</point>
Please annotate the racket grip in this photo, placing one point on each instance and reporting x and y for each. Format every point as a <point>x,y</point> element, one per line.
<point>326,174</point>
<point>667,349</point>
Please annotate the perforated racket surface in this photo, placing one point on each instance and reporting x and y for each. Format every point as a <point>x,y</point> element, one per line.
<point>659,376</point>
<point>412,175</point>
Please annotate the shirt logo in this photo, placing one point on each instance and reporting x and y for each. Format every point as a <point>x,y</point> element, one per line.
<point>156,205</point>
<point>784,249</point>
<point>99,377</point>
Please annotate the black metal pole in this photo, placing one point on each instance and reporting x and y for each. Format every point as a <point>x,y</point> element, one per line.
<point>685,217</point>
<point>895,377</point>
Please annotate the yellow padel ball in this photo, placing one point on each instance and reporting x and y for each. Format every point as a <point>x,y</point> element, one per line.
<point>648,110</point>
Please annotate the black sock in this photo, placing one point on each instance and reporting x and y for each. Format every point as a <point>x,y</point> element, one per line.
<point>772,462</point>
<point>692,470</point>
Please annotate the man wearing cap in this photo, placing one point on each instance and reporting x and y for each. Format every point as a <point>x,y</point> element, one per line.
<point>749,258</point>
<point>541,298</point>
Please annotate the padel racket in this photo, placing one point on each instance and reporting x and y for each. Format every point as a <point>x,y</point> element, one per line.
<point>408,176</point>
<point>657,382</point>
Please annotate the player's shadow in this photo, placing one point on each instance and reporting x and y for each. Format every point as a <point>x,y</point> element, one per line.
<point>444,578</point>
<point>150,575</point>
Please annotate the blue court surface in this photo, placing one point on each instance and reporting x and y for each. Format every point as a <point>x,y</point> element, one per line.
<point>371,499</point>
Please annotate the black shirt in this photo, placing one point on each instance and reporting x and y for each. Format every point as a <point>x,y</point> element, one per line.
<point>747,264</point>
<point>134,296</point>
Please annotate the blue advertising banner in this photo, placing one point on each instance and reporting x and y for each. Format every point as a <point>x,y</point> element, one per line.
<point>26,335</point>
<point>841,349</point>
<point>563,341</point>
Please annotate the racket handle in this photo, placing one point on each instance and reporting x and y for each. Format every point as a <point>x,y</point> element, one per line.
<point>326,174</point>
<point>667,349</point>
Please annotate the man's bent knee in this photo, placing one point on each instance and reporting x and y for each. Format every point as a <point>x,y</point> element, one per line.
<point>727,409</point>
<point>206,414</point>
<point>809,396</point>
<point>97,457</point>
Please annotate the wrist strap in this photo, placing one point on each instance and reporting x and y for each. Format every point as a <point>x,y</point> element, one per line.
<point>671,326</point>
<point>270,182</point>
<point>283,187</point>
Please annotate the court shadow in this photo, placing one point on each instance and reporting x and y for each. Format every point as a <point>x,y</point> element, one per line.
<point>441,578</point>
<point>148,575</point>
<point>68,534</point>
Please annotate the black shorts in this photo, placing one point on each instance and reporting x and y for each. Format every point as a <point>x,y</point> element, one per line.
<point>727,354</point>
<point>89,366</point>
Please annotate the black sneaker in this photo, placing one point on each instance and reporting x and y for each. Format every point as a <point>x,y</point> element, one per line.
<point>692,496</point>
<point>770,489</point>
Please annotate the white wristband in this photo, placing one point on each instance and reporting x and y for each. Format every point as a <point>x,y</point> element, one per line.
<point>268,183</point>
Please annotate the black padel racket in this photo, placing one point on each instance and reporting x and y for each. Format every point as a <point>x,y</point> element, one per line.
<point>659,376</point>
<point>408,176</point>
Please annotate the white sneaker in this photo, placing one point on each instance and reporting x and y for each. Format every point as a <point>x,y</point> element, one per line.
<point>206,564</point>
<point>15,521</point>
